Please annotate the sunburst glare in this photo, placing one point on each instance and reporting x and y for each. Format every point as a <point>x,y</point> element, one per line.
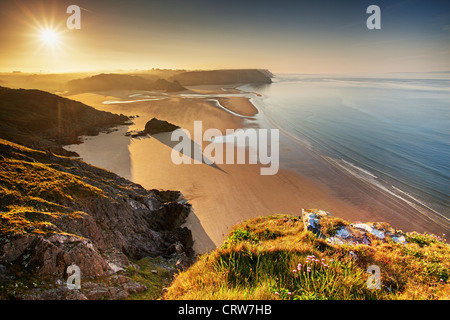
<point>49,37</point>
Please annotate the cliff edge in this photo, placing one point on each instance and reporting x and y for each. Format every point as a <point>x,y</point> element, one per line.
<point>56,212</point>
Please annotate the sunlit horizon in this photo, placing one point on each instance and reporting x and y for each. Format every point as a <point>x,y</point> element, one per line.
<point>287,37</point>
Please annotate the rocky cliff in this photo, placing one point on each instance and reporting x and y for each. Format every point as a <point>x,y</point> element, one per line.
<point>56,212</point>
<point>223,77</point>
<point>46,121</point>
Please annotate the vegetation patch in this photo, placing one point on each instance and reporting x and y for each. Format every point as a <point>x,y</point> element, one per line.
<point>277,258</point>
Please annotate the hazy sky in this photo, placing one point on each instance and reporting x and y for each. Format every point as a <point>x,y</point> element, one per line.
<point>320,36</point>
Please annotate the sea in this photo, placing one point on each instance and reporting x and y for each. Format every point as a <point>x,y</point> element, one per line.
<point>391,131</point>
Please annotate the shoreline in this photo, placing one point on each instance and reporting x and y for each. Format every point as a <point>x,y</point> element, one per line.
<point>222,198</point>
<point>399,210</point>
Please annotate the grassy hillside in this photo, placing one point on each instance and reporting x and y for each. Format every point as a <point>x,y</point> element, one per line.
<point>276,258</point>
<point>57,211</point>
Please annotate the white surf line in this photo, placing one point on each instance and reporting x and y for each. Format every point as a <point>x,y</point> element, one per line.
<point>131,101</point>
<point>423,204</point>
<point>148,94</point>
<point>360,169</point>
<point>374,183</point>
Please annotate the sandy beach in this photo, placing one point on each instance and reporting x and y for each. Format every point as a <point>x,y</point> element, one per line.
<point>225,194</point>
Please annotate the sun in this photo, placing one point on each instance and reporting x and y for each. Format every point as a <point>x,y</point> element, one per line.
<point>49,37</point>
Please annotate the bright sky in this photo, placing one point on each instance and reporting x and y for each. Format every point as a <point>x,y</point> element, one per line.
<point>320,36</point>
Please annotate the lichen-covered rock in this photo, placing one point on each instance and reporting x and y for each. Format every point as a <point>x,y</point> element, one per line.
<point>311,220</point>
<point>52,255</point>
<point>356,233</point>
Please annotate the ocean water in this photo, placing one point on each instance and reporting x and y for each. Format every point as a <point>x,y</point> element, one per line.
<point>392,131</point>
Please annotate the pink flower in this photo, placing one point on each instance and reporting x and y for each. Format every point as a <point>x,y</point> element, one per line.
<point>299,267</point>
<point>289,293</point>
<point>294,271</point>
<point>276,293</point>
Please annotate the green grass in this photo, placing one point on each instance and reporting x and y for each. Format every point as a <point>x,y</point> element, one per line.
<point>154,281</point>
<point>275,258</point>
<point>35,193</point>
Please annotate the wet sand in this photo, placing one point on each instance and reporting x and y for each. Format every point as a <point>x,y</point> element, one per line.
<point>223,195</point>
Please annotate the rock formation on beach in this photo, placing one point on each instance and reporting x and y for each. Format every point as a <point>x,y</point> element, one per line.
<point>354,233</point>
<point>154,126</point>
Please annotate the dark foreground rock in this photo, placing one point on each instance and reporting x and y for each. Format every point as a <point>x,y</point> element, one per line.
<point>56,212</point>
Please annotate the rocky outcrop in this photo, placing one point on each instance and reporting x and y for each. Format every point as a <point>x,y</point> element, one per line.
<point>322,224</point>
<point>311,220</point>
<point>89,217</point>
<point>154,126</point>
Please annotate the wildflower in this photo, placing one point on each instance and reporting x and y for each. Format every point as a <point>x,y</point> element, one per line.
<point>299,267</point>
<point>323,259</point>
<point>441,280</point>
<point>308,269</point>
<point>276,293</point>
<point>289,293</point>
<point>294,271</point>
